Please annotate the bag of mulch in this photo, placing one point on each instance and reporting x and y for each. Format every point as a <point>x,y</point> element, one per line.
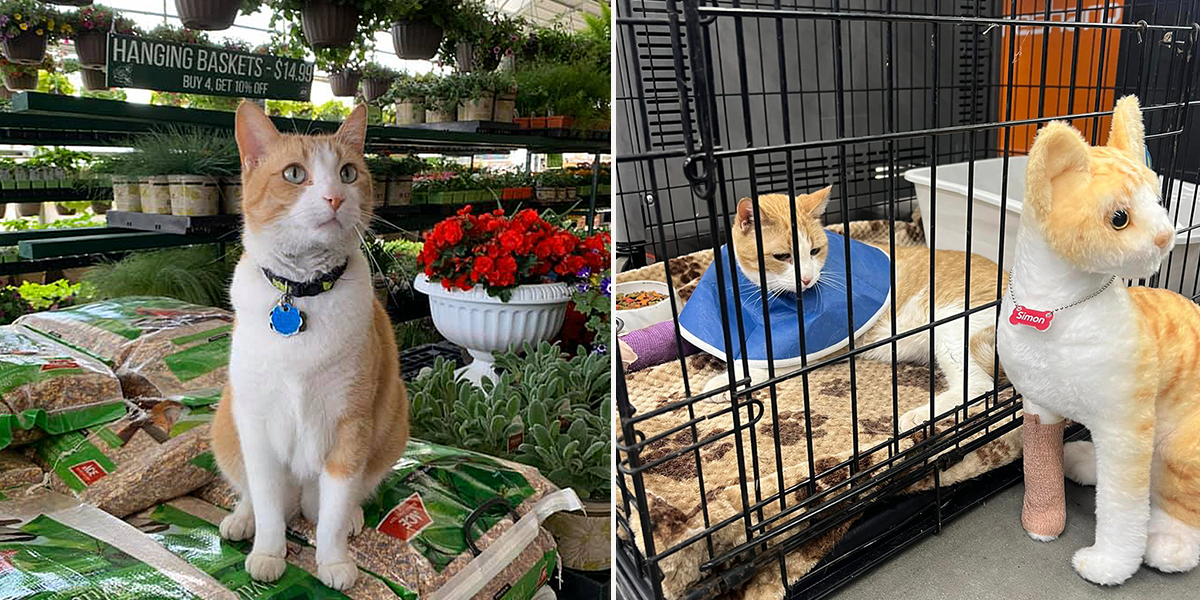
<point>49,389</point>
<point>55,547</point>
<point>419,519</point>
<point>189,528</point>
<point>157,346</point>
<point>158,451</point>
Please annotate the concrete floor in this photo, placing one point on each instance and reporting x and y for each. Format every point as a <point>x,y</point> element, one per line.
<point>985,555</point>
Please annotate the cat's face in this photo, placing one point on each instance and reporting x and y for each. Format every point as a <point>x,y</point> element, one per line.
<point>1099,208</point>
<point>775,218</point>
<point>303,191</point>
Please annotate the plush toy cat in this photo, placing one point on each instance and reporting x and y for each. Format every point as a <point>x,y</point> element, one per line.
<point>1125,362</point>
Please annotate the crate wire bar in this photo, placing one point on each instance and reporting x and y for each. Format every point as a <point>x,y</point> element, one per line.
<point>725,99</point>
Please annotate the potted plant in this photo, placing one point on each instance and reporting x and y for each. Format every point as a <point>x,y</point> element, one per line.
<point>376,79</point>
<point>18,76</point>
<point>443,97</point>
<point>25,28</point>
<point>494,281</point>
<point>209,15</point>
<point>231,194</point>
<point>409,93</point>
<point>90,26</point>
<point>478,39</point>
<point>418,26</point>
<point>179,170</point>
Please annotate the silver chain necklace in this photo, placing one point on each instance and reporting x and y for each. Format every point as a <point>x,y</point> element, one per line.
<point>1041,320</point>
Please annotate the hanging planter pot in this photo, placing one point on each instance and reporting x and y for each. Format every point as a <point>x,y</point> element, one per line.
<point>69,2</point>
<point>92,48</point>
<point>5,93</point>
<point>344,83</point>
<point>375,87</point>
<point>26,81</point>
<point>329,24</point>
<point>478,109</point>
<point>416,40</point>
<point>28,48</point>
<point>93,79</point>
<point>209,15</point>
<point>409,112</point>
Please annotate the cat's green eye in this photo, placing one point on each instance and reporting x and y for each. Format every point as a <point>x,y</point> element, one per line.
<point>295,173</point>
<point>349,173</point>
<point>782,256</point>
<point>815,251</point>
<point>1120,220</point>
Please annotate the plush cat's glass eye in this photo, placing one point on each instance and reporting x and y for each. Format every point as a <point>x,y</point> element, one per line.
<point>295,173</point>
<point>815,251</point>
<point>783,256</point>
<point>349,173</point>
<point>1120,220</point>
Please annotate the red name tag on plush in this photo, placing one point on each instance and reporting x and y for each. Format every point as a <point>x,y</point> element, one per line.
<point>89,472</point>
<point>406,520</point>
<point>1036,319</point>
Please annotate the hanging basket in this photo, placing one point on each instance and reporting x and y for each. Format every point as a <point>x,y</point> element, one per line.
<point>16,83</point>
<point>373,88</point>
<point>344,83</point>
<point>92,48</point>
<point>29,48</point>
<point>69,2</point>
<point>328,24</point>
<point>209,15</point>
<point>93,79</point>
<point>416,40</point>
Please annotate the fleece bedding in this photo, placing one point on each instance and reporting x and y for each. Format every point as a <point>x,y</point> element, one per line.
<point>673,492</point>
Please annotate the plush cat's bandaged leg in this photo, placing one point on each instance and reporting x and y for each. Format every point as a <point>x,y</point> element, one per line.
<point>1044,514</point>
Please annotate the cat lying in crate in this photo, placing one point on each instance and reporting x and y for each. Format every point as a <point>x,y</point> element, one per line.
<point>822,283</point>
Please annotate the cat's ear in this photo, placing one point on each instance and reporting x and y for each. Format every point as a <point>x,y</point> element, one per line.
<point>1058,148</point>
<point>1128,134</point>
<point>814,204</point>
<point>745,215</point>
<point>353,131</point>
<point>254,132</point>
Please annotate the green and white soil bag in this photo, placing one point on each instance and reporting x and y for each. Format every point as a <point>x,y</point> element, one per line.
<point>158,346</point>
<point>47,388</point>
<point>51,546</point>
<point>413,536</point>
<point>153,454</point>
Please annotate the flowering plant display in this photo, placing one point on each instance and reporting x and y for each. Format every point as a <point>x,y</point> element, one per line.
<point>181,35</point>
<point>20,17</point>
<point>501,253</point>
<point>98,17</point>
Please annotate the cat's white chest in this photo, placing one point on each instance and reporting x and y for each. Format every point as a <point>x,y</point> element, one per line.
<point>1082,363</point>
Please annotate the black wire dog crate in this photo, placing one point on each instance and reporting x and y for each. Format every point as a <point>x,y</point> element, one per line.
<point>804,481</point>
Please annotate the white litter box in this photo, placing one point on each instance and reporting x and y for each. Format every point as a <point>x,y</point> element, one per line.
<point>985,215</point>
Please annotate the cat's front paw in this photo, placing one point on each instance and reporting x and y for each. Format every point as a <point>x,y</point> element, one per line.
<point>356,520</point>
<point>716,382</point>
<point>1104,566</point>
<point>339,575</point>
<point>914,418</point>
<point>237,526</point>
<point>264,567</point>
<point>1171,553</point>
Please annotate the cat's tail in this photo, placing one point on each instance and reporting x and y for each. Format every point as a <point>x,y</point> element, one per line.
<point>983,351</point>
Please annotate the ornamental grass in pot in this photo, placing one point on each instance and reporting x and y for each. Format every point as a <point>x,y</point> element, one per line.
<point>494,280</point>
<point>181,170</point>
<point>90,26</point>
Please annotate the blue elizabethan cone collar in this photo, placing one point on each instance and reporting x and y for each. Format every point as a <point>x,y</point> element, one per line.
<point>825,312</point>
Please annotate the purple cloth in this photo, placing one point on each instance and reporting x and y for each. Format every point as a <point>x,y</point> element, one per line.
<point>655,345</point>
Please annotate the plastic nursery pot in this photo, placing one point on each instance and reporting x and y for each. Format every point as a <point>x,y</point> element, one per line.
<point>409,112</point>
<point>92,48</point>
<point>209,15</point>
<point>27,48</point>
<point>582,535</point>
<point>194,195</point>
<point>434,116</point>
<point>100,206</point>
<point>156,194</point>
<point>506,108</point>
<point>538,122</point>
<point>374,87</point>
<point>329,24</point>
<point>127,194</point>
<point>516,193</point>
<point>522,122</point>
<point>546,194</point>
<point>479,109</point>
<point>559,122</point>
<point>572,193</point>
<point>27,81</point>
<point>231,195</point>
<point>93,79</point>
<point>417,39</point>
<point>344,83</point>
<point>378,192</point>
<point>400,191</point>
<point>29,209</point>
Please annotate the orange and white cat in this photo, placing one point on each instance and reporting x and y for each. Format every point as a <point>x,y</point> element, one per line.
<point>1126,362</point>
<point>309,422</point>
<point>912,296</point>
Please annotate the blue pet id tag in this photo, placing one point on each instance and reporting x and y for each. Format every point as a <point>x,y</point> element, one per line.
<point>286,319</point>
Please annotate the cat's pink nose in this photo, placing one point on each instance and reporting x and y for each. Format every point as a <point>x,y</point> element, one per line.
<point>806,280</point>
<point>1162,238</point>
<point>334,201</point>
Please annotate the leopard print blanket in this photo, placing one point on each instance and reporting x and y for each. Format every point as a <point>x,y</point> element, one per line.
<point>673,490</point>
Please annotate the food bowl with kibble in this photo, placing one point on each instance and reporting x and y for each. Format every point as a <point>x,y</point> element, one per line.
<point>643,303</point>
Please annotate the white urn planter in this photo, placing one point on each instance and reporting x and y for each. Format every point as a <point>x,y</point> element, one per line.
<point>484,324</point>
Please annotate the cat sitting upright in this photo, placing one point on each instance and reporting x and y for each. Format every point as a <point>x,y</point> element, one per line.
<point>314,414</point>
<point>1125,362</point>
<point>912,296</point>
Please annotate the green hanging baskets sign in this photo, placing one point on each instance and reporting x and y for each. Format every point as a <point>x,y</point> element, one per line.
<point>138,62</point>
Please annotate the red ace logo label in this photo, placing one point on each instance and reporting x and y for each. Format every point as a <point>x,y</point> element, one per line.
<point>89,472</point>
<point>407,519</point>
